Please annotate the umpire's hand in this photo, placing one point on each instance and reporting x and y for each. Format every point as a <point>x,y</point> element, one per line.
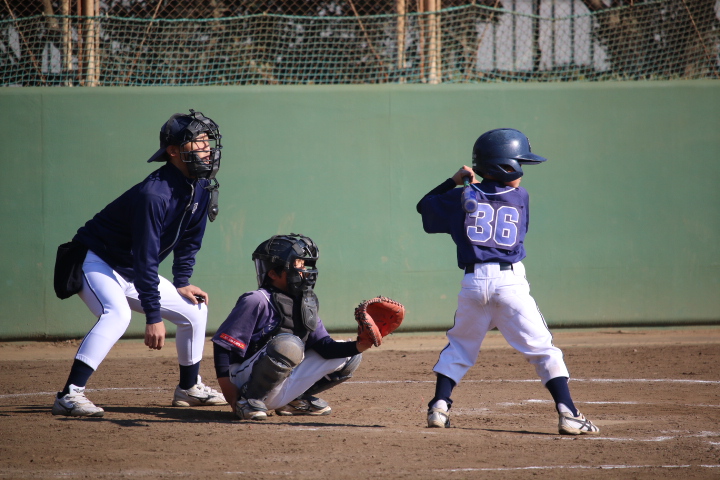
<point>155,335</point>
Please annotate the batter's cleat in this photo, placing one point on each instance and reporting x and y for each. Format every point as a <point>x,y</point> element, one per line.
<point>569,425</point>
<point>305,405</point>
<point>438,418</point>
<point>76,404</point>
<point>251,409</point>
<point>199,395</point>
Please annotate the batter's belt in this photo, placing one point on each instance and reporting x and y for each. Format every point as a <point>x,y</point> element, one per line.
<point>503,266</point>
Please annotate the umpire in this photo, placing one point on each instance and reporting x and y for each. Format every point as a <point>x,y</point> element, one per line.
<point>118,253</point>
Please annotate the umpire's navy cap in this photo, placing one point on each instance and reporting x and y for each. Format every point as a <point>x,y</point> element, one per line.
<point>173,132</point>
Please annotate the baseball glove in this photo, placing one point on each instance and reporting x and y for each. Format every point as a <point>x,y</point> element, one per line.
<point>378,318</point>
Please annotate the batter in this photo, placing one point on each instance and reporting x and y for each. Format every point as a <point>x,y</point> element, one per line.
<point>494,291</point>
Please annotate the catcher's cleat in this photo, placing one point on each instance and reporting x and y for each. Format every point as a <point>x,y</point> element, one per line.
<point>569,425</point>
<point>438,418</point>
<point>305,405</point>
<point>76,404</point>
<point>199,395</point>
<point>251,409</point>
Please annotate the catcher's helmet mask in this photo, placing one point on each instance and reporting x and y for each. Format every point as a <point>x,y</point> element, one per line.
<point>281,252</point>
<point>182,129</point>
<point>500,154</point>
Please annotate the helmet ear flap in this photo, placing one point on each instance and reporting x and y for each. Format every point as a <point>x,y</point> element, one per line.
<point>500,154</point>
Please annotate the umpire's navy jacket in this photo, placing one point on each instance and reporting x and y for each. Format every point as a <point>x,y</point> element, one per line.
<point>164,213</point>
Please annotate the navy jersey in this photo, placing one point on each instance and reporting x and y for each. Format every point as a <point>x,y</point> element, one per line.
<point>249,327</point>
<point>164,213</point>
<point>495,232</point>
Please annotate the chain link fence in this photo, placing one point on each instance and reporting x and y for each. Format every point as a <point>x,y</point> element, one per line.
<point>196,9</point>
<point>236,42</point>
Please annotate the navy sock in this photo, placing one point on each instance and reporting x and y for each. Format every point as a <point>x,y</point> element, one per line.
<point>443,389</point>
<point>188,375</point>
<point>79,375</point>
<point>560,392</point>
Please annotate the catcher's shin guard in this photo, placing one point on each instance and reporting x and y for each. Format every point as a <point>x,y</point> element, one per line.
<point>282,355</point>
<point>336,378</point>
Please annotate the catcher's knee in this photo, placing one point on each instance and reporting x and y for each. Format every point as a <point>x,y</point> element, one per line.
<point>336,378</point>
<point>282,355</point>
<point>286,348</point>
<point>349,368</point>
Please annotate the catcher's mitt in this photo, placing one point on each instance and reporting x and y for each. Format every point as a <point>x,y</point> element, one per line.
<point>378,318</point>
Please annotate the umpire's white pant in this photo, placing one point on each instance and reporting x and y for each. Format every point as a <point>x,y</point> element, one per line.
<point>111,298</point>
<point>490,298</point>
<point>311,369</point>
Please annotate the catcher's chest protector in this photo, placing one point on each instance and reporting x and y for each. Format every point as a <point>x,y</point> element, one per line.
<point>293,317</point>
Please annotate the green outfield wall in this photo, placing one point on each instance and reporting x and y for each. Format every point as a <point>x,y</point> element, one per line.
<point>625,215</point>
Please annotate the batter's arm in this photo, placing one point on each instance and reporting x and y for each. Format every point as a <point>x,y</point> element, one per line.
<point>444,187</point>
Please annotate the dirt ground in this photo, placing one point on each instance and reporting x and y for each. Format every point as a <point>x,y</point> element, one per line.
<point>655,394</point>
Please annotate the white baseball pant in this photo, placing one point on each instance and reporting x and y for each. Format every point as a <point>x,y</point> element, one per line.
<point>111,298</point>
<point>490,298</point>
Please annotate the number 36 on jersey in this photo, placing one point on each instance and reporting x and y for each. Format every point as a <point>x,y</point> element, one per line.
<point>495,225</point>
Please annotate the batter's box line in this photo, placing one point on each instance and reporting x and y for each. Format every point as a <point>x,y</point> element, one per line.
<point>568,467</point>
<point>599,380</point>
<point>663,438</point>
<point>603,402</point>
<point>646,380</point>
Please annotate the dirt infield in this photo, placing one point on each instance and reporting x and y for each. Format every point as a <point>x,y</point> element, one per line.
<point>655,394</point>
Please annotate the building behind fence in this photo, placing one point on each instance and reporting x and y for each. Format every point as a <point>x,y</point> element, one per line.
<point>237,42</point>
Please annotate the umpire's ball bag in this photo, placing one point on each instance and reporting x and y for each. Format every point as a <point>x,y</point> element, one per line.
<point>68,269</point>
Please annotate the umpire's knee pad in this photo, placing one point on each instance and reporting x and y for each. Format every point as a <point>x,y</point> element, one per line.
<point>336,378</point>
<point>282,354</point>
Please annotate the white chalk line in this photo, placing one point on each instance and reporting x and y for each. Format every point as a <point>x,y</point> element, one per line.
<point>603,380</point>
<point>667,435</point>
<point>663,438</point>
<point>568,467</point>
<point>381,382</point>
<point>32,394</point>
<point>533,400</point>
<point>94,474</point>
<point>151,473</point>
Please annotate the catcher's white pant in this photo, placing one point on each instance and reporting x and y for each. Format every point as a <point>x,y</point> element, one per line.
<point>490,298</point>
<point>110,297</point>
<point>311,369</point>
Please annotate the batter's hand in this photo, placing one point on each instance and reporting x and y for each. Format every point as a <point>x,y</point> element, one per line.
<point>191,292</point>
<point>465,171</point>
<point>155,335</point>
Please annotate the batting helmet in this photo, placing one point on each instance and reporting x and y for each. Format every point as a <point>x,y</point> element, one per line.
<point>500,153</point>
<point>281,251</point>
<point>181,129</point>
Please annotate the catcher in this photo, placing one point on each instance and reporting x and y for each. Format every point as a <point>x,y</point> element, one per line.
<point>273,351</point>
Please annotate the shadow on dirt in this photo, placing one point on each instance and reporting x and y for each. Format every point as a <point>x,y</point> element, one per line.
<point>149,415</point>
